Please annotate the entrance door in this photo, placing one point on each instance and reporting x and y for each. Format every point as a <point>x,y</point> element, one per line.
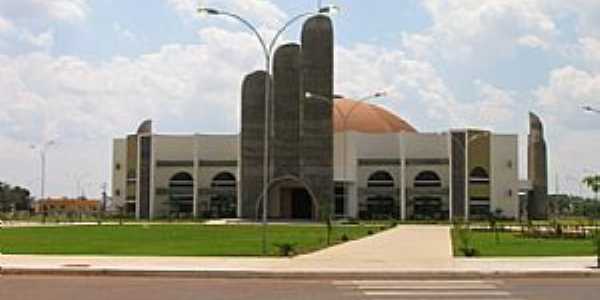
<point>301,204</point>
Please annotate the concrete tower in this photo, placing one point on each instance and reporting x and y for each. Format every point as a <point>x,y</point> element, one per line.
<point>287,96</point>
<point>537,170</point>
<point>317,123</point>
<point>301,130</point>
<point>251,142</point>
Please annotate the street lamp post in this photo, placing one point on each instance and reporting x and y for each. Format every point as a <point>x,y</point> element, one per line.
<point>345,118</point>
<point>43,148</point>
<point>268,54</point>
<point>590,109</point>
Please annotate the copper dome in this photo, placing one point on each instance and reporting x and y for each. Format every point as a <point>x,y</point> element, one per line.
<point>366,118</point>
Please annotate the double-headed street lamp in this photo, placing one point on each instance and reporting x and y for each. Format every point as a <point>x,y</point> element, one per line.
<point>43,148</point>
<point>267,49</point>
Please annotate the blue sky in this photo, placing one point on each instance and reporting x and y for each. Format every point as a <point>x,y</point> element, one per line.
<point>82,72</point>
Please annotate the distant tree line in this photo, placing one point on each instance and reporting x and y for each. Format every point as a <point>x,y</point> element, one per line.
<point>14,197</point>
<point>574,206</point>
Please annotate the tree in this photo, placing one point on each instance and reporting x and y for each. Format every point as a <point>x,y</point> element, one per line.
<point>593,183</point>
<point>16,198</point>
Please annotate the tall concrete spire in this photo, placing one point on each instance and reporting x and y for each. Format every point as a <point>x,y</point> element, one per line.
<point>537,170</point>
<point>287,94</point>
<point>317,124</point>
<point>252,141</point>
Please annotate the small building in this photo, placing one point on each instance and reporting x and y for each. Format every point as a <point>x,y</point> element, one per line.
<point>66,206</point>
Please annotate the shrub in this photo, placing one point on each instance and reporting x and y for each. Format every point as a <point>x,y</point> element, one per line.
<point>466,240</point>
<point>370,232</point>
<point>286,249</point>
<point>344,238</point>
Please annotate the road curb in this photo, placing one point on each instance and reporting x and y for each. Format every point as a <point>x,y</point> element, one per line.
<point>334,275</point>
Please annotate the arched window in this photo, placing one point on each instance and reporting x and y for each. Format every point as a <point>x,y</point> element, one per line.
<point>380,202</point>
<point>479,176</point>
<point>428,179</point>
<point>223,203</point>
<point>181,192</point>
<point>224,180</point>
<point>380,179</point>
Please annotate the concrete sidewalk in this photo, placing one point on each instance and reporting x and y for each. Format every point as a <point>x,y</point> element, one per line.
<point>402,252</point>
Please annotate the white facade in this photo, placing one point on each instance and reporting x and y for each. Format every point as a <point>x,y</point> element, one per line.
<point>412,160</point>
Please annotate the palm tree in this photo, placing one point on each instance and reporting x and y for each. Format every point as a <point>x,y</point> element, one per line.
<point>593,183</point>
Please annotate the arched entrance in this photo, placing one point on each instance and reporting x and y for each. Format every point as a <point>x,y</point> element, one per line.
<point>290,198</point>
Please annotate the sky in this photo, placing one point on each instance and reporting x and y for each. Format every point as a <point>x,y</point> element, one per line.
<point>82,72</point>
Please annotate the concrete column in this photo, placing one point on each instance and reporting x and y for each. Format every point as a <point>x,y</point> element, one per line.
<point>152,184</point>
<point>252,141</point>
<point>195,176</point>
<point>403,178</point>
<point>450,180</point>
<point>285,111</point>
<point>316,118</point>
<point>467,200</point>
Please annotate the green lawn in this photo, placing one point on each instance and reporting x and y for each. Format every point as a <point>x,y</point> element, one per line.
<point>512,244</point>
<point>168,240</point>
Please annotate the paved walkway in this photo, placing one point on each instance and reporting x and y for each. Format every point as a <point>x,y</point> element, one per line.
<point>407,246</point>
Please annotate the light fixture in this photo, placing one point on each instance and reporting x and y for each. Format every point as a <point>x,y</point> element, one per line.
<point>204,11</point>
<point>329,9</point>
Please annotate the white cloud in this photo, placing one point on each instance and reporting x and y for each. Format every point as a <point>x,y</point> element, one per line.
<point>532,41</point>
<point>76,94</point>
<point>123,33</point>
<point>569,89</point>
<point>5,25</point>
<point>495,105</point>
<point>466,30</point>
<point>252,9</point>
<point>585,12</point>
<point>84,105</point>
<point>67,10</point>
<point>589,50</point>
<point>411,83</point>
<point>29,24</point>
<point>36,11</point>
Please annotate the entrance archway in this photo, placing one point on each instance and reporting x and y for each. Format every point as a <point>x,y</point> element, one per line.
<point>290,198</point>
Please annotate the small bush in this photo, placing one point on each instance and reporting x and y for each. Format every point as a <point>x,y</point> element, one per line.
<point>286,249</point>
<point>469,251</point>
<point>344,238</point>
<point>466,240</point>
<point>370,232</point>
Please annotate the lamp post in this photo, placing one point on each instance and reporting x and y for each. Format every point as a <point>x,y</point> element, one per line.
<point>43,148</point>
<point>345,118</point>
<point>590,109</point>
<point>267,49</point>
<point>465,148</point>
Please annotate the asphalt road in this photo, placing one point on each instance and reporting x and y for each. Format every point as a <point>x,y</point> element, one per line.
<point>116,288</point>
